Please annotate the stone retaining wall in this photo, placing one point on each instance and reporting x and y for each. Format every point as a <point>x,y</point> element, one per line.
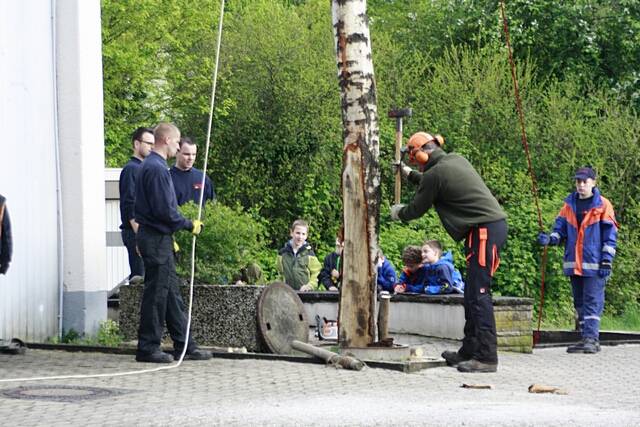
<point>440,316</point>
<point>225,316</point>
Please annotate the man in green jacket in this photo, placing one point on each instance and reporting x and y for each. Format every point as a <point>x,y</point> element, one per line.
<point>296,262</point>
<point>469,211</point>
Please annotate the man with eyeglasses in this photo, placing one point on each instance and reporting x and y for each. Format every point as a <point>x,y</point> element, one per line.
<point>142,141</point>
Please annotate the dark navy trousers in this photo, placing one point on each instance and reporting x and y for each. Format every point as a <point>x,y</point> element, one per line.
<point>136,266</point>
<point>161,299</point>
<point>588,300</point>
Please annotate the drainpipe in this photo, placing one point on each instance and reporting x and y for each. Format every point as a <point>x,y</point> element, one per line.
<point>58,178</point>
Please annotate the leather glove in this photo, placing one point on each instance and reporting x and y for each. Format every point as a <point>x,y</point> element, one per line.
<point>197,227</point>
<point>176,247</point>
<point>605,269</point>
<point>404,169</point>
<point>395,211</point>
<point>4,268</point>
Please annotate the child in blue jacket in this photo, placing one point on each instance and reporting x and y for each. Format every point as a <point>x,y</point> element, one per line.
<point>386,274</point>
<point>442,276</point>
<point>413,274</point>
<point>587,225</point>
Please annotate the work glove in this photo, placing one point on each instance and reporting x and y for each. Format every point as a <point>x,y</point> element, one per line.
<point>197,227</point>
<point>544,239</point>
<point>395,211</point>
<point>176,247</point>
<point>404,169</point>
<point>605,269</point>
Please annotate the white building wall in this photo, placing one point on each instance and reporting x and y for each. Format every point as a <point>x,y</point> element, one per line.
<point>81,135</point>
<point>29,292</point>
<point>51,93</point>
<point>117,257</point>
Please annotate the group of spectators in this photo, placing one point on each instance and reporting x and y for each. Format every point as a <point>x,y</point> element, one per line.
<point>427,269</point>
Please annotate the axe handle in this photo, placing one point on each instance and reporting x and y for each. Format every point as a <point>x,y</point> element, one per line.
<point>398,180</point>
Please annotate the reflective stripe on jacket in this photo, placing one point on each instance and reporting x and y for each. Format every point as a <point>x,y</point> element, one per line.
<point>590,242</point>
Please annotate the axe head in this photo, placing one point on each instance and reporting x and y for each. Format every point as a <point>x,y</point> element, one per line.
<point>398,113</point>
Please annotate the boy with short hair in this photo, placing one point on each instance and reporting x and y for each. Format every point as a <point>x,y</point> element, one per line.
<point>413,274</point>
<point>442,276</point>
<point>296,261</point>
<point>387,277</point>
<point>330,276</point>
<point>588,226</point>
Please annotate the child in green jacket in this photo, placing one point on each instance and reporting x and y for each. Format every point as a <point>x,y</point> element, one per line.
<point>296,262</point>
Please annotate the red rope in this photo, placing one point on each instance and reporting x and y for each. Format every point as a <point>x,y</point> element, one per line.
<point>534,185</point>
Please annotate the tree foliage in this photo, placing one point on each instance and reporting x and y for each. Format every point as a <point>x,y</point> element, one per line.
<point>276,145</point>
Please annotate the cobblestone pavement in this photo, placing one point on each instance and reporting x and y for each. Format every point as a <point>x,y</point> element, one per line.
<point>602,390</point>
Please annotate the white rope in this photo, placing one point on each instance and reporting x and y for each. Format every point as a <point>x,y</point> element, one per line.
<point>193,247</point>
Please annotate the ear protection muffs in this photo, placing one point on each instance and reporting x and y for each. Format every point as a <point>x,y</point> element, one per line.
<point>419,140</point>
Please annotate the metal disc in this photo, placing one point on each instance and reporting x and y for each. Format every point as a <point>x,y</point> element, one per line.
<point>282,318</point>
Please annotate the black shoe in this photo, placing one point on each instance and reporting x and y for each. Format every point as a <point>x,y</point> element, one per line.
<point>474,365</point>
<point>453,358</point>
<point>157,357</point>
<point>196,354</point>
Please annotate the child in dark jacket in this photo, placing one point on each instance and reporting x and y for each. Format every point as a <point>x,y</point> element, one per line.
<point>442,276</point>
<point>386,274</point>
<point>587,225</point>
<point>413,274</point>
<point>330,276</point>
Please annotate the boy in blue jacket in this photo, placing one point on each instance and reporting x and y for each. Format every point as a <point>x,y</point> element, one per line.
<point>442,276</point>
<point>587,225</point>
<point>413,274</point>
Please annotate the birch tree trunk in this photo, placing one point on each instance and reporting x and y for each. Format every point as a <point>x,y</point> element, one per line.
<point>360,174</point>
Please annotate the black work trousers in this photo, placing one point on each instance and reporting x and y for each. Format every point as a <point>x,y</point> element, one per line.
<point>482,250</point>
<point>161,299</point>
<point>136,266</point>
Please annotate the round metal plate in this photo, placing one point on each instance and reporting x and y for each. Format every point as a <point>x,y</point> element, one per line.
<point>282,318</point>
<point>59,393</point>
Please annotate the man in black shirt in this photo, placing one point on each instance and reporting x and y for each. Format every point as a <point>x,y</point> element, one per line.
<point>142,140</point>
<point>157,213</point>
<point>187,180</point>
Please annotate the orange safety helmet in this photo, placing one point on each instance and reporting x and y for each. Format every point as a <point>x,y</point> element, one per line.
<point>419,140</point>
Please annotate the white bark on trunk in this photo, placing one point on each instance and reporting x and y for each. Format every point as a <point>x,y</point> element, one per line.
<point>360,175</point>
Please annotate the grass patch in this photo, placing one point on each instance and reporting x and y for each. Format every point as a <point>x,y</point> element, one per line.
<point>108,336</point>
<point>629,321</point>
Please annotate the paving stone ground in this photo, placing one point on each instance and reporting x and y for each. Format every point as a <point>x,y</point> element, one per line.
<point>602,391</point>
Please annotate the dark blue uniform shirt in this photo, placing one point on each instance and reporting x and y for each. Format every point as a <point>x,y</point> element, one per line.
<point>156,205</point>
<point>127,186</point>
<point>187,185</point>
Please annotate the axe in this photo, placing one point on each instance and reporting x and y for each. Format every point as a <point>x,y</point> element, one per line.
<point>398,114</point>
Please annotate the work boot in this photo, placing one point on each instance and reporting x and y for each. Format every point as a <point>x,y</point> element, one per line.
<point>591,346</point>
<point>157,357</point>
<point>474,365</point>
<point>196,354</point>
<point>452,358</point>
<point>576,348</point>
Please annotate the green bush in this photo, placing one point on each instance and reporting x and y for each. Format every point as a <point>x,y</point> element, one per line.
<point>230,239</point>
